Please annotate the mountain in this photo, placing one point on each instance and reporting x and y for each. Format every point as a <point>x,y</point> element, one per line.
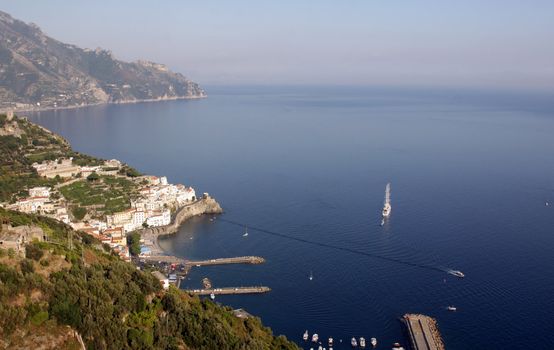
<point>38,72</point>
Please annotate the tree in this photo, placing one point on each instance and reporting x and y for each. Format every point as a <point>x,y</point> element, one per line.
<point>134,243</point>
<point>93,177</point>
<point>33,252</point>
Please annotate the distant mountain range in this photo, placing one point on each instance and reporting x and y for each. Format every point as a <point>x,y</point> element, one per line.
<point>38,72</point>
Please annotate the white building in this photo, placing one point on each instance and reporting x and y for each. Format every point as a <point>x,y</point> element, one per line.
<point>39,192</point>
<point>159,218</point>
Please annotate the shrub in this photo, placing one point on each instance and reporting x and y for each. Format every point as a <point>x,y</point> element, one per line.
<point>32,251</point>
<point>27,266</point>
<point>39,318</point>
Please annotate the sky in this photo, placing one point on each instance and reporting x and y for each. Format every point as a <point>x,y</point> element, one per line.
<point>472,43</point>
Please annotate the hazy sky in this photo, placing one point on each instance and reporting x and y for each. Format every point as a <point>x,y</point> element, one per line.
<point>499,43</point>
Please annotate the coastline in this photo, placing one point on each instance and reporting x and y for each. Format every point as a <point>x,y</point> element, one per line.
<point>205,205</point>
<point>44,109</point>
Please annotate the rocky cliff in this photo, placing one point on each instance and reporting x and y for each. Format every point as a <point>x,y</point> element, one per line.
<point>38,72</point>
<point>206,205</point>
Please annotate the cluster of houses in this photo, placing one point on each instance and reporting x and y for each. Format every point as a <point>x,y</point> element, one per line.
<point>151,209</point>
<point>65,168</point>
<point>40,202</point>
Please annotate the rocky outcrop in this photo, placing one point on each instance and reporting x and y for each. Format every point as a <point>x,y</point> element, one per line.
<point>206,205</point>
<point>38,72</point>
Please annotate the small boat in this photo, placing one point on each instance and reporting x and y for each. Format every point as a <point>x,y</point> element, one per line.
<point>305,336</point>
<point>311,276</point>
<point>353,342</point>
<point>373,342</point>
<point>330,341</point>
<point>387,207</point>
<point>456,273</point>
<point>320,348</point>
<point>397,346</point>
<point>362,342</point>
<point>212,296</point>
<point>245,231</point>
<point>315,338</point>
<point>451,308</point>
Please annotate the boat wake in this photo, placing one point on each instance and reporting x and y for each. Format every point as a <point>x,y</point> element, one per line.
<point>344,249</point>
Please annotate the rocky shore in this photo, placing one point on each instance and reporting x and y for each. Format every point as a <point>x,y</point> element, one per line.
<point>205,205</point>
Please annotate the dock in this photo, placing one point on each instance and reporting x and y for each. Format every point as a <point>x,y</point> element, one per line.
<point>219,261</point>
<point>423,332</point>
<point>230,290</point>
<point>224,261</point>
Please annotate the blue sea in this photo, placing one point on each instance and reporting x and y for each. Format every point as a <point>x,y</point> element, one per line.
<point>306,167</point>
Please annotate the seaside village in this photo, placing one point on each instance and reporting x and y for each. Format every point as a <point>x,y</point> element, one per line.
<point>152,208</point>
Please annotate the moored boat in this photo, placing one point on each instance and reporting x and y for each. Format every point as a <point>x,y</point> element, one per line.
<point>362,342</point>
<point>306,335</point>
<point>354,342</point>
<point>315,338</point>
<point>397,346</point>
<point>330,341</point>
<point>374,342</point>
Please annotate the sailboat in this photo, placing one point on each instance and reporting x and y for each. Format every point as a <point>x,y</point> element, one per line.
<point>387,207</point>
<point>245,231</point>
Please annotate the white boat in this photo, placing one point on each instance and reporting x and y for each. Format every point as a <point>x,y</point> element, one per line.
<point>315,337</point>
<point>387,207</point>
<point>362,342</point>
<point>320,348</point>
<point>456,273</point>
<point>451,308</point>
<point>353,342</point>
<point>311,276</point>
<point>245,231</point>
<point>330,341</point>
<point>305,336</point>
<point>397,346</point>
<point>373,342</point>
<point>212,296</point>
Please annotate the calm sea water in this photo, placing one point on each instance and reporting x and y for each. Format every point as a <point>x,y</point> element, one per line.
<point>470,174</point>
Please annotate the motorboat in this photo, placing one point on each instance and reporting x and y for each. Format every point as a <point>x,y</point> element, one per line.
<point>311,277</point>
<point>387,207</point>
<point>315,338</point>
<point>330,341</point>
<point>362,342</point>
<point>373,342</point>
<point>245,231</point>
<point>397,346</point>
<point>305,336</point>
<point>354,342</point>
<point>456,273</point>
<point>212,296</point>
<point>451,308</point>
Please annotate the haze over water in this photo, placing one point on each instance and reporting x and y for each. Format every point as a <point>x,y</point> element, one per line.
<point>470,174</point>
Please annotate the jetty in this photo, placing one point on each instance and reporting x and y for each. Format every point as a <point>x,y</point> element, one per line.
<point>423,332</point>
<point>230,290</point>
<point>219,261</point>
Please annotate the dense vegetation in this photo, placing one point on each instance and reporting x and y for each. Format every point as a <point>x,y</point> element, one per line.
<point>104,194</point>
<point>72,281</point>
<point>21,144</point>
